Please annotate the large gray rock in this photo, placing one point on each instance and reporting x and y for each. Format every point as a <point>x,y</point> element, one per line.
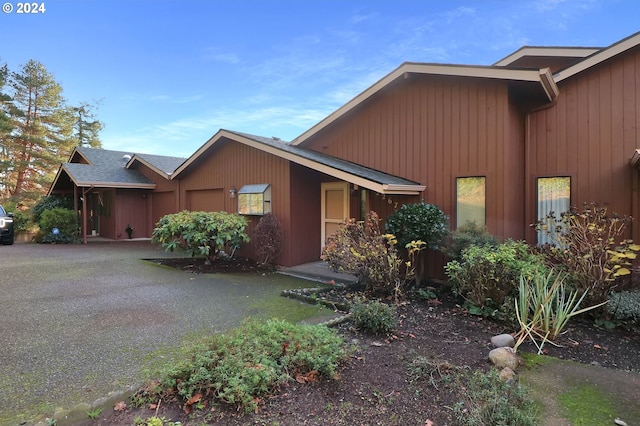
<point>503,340</point>
<point>504,357</point>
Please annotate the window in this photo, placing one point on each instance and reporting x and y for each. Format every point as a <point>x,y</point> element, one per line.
<point>554,196</point>
<point>471,200</point>
<point>255,199</point>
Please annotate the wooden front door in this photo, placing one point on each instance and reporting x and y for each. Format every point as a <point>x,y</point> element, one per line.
<point>335,207</point>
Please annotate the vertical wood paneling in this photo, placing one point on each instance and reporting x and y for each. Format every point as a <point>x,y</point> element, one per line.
<point>595,135</point>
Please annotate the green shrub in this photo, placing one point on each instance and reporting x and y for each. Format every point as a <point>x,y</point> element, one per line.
<point>625,306</point>
<point>488,401</point>
<point>374,317</point>
<point>419,221</point>
<point>487,277</point>
<point>64,220</point>
<point>360,249</point>
<point>50,202</point>
<point>469,234</point>
<point>250,362</point>
<point>268,238</point>
<point>422,222</point>
<point>589,247</point>
<point>201,233</point>
<point>21,220</point>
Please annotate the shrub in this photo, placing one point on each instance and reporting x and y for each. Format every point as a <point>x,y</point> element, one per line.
<point>250,362</point>
<point>201,233</point>
<point>360,249</point>
<point>50,202</point>
<point>268,238</point>
<point>589,247</point>
<point>419,222</point>
<point>64,220</point>
<point>374,317</point>
<point>469,234</point>
<point>487,276</point>
<point>625,306</point>
<point>487,400</point>
<point>21,220</point>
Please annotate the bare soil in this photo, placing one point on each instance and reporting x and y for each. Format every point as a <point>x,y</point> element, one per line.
<point>375,386</point>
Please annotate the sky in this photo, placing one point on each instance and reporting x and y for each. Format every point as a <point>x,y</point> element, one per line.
<point>167,75</point>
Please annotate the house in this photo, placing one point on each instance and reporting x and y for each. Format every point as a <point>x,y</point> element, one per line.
<point>116,189</point>
<point>502,145</point>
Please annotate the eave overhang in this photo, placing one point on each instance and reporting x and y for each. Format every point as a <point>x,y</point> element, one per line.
<point>348,173</point>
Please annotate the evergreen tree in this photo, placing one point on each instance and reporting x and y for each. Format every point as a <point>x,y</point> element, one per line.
<point>42,131</point>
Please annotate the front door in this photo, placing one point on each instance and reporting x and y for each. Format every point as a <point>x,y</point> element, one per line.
<point>335,207</point>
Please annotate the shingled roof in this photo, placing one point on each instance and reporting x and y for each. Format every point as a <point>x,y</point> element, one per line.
<point>114,169</point>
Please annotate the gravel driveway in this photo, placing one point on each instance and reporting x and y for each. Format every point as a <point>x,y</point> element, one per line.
<point>79,321</point>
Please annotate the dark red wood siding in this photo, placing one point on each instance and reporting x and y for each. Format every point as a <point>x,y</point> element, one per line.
<point>590,135</point>
<point>432,129</point>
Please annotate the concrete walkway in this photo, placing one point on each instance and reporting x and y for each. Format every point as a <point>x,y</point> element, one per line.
<point>319,272</point>
<point>79,321</point>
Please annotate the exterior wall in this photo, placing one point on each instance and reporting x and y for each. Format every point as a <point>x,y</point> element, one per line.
<point>130,208</point>
<point>231,164</point>
<point>161,201</point>
<point>590,135</point>
<point>432,129</point>
<point>304,236</point>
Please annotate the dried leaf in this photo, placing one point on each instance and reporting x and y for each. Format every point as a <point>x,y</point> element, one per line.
<point>311,376</point>
<point>195,398</point>
<point>120,406</point>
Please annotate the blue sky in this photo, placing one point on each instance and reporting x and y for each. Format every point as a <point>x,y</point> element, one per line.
<point>169,74</point>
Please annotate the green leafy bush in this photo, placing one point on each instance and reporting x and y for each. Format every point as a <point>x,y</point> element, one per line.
<point>487,277</point>
<point>21,220</point>
<point>588,246</point>
<point>360,249</point>
<point>50,202</point>
<point>374,317</point>
<point>625,306</point>
<point>201,233</point>
<point>488,401</point>
<point>251,361</point>
<point>268,238</point>
<point>469,234</point>
<point>419,221</point>
<point>64,220</point>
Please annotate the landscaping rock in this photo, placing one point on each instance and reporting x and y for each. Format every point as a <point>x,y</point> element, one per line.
<point>504,357</point>
<point>503,340</point>
<point>507,375</point>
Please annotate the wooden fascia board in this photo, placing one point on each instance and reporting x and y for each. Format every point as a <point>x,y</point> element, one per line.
<point>548,84</point>
<point>55,180</point>
<point>323,168</point>
<point>597,58</point>
<point>116,185</point>
<point>149,165</point>
<point>563,52</point>
<point>430,69</point>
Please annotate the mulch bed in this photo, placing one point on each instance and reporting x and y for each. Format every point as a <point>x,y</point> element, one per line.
<point>375,386</point>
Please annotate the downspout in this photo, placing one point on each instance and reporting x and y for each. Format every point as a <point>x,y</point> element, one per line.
<point>553,93</point>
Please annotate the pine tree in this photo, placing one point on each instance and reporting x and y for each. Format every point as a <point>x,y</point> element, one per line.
<point>43,132</point>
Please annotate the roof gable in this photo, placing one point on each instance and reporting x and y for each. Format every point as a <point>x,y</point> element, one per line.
<point>539,78</point>
<point>554,58</point>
